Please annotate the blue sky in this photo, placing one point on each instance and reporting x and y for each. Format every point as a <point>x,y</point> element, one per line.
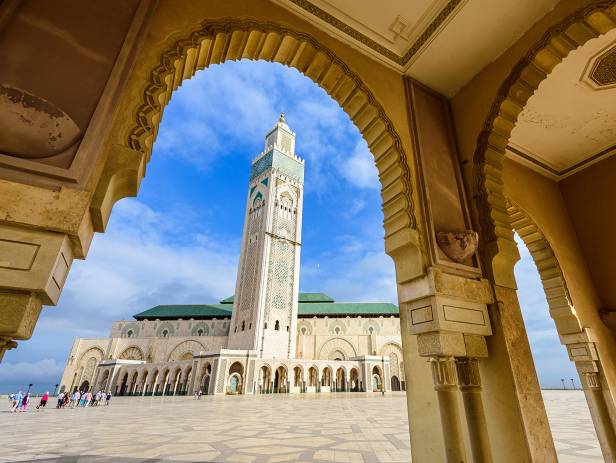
<point>179,241</point>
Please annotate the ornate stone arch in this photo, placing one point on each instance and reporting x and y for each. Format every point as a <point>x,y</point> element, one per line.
<point>393,350</point>
<point>91,352</point>
<point>336,345</point>
<point>165,326</point>
<point>522,82</point>
<point>552,278</point>
<point>191,347</point>
<point>132,327</point>
<point>132,353</point>
<point>217,41</point>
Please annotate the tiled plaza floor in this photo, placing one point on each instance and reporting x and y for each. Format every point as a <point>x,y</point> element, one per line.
<point>299,428</point>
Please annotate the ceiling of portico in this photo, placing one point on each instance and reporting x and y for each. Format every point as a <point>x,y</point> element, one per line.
<point>570,122</point>
<point>442,43</point>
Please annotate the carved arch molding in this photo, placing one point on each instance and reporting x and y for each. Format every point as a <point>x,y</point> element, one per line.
<point>522,82</point>
<point>229,39</point>
<point>552,278</point>
<point>336,346</point>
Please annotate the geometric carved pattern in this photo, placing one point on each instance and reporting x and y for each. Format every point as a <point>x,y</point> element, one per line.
<point>131,353</point>
<point>604,71</point>
<point>186,347</point>
<point>336,346</point>
<point>510,100</point>
<point>394,352</point>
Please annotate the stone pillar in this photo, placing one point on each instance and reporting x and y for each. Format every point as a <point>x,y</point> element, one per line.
<point>444,377</point>
<point>469,381</point>
<point>583,352</point>
<point>601,416</point>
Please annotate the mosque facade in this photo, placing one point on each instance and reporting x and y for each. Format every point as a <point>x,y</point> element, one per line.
<point>268,337</point>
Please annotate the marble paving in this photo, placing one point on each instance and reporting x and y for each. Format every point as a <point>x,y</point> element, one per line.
<point>362,428</point>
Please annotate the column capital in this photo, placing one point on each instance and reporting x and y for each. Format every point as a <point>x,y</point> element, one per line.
<point>469,378</point>
<point>444,373</point>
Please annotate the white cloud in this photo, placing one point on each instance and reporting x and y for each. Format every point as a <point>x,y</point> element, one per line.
<point>359,168</point>
<point>24,373</point>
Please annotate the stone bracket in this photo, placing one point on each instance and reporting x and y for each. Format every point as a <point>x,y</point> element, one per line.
<point>34,261</point>
<point>444,313</point>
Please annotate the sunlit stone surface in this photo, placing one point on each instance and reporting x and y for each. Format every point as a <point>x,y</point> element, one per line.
<point>352,427</point>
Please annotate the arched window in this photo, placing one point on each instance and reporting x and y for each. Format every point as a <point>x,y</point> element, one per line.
<point>129,334</point>
<point>370,330</point>
<point>277,326</point>
<point>265,326</point>
<point>304,330</point>
<point>243,325</point>
<point>165,333</point>
<point>287,328</point>
<point>199,332</point>
<point>337,330</point>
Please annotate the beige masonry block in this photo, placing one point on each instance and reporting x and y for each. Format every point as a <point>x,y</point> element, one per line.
<point>34,261</point>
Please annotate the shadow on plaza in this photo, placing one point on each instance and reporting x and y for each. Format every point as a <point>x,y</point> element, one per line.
<point>116,459</point>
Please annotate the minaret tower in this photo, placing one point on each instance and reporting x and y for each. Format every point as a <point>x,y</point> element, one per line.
<point>265,306</point>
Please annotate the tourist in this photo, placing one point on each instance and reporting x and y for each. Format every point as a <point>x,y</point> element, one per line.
<point>66,400</point>
<point>16,401</point>
<point>97,398</point>
<point>199,394</point>
<point>82,400</point>
<point>60,400</point>
<point>43,401</point>
<point>24,402</point>
<point>75,399</point>
<point>108,398</point>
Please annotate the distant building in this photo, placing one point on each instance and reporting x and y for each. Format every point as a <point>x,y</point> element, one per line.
<point>266,338</point>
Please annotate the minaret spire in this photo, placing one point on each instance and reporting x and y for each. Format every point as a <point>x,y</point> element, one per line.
<point>266,294</point>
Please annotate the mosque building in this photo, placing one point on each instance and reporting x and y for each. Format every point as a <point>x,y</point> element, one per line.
<point>266,338</point>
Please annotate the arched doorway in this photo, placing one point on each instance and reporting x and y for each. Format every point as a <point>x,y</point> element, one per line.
<point>298,378</point>
<point>281,380</point>
<point>154,386</point>
<point>377,380</point>
<point>205,381</point>
<point>85,386</point>
<point>341,382</point>
<point>235,381</point>
<point>265,380</point>
<point>326,379</point>
<point>354,380</point>
<point>313,379</point>
<point>121,390</point>
<point>395,383</point>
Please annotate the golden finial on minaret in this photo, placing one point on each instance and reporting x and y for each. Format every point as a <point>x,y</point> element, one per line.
<point>281,117</point>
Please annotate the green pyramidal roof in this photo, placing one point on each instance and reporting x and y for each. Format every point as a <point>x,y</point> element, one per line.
<point>310,305</point>
<point>303,297</point>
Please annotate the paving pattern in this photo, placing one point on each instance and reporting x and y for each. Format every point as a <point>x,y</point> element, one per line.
<point>362,428</point>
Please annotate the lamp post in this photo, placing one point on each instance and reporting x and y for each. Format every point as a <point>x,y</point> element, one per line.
<point>563,381</point>
<point>56,389</point>
<point>29,386</point>
<point>573,383</point>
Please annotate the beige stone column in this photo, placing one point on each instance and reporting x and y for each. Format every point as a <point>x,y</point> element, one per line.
<point>601,417</point>
<point>445,385</point>
<point>469,381</point>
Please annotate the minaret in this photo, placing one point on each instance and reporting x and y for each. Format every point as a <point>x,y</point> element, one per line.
<point>265,307</point>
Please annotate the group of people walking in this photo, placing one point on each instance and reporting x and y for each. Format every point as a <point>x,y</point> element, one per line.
<point>83,399</point>
<point>19,402</point>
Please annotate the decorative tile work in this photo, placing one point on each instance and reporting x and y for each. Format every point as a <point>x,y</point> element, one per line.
<point>341,427</point>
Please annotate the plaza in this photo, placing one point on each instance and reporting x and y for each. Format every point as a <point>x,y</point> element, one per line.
<point>344,427</point>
